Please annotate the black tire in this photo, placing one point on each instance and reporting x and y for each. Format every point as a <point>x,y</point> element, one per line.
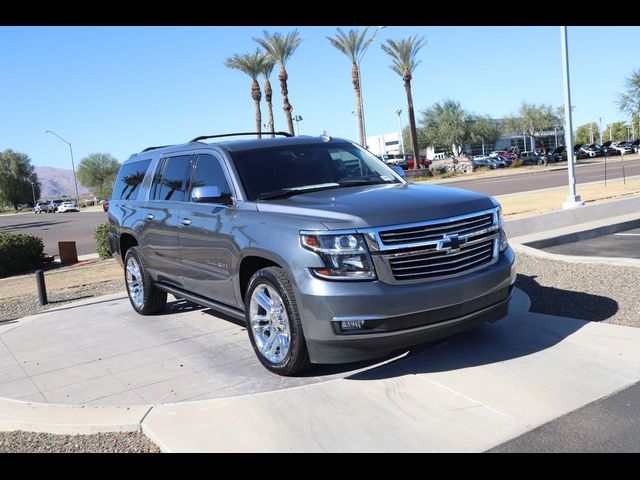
<point>154,300</point>
<point>297,358</point>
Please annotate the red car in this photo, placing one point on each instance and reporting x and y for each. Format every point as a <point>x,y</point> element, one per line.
<point>422,162</point>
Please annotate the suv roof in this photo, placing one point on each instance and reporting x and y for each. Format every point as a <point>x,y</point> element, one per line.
<point>242,145</point>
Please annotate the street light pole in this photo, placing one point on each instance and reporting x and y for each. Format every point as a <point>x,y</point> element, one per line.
<point>399,113</point>
<point>298,118</point>
<point>573,199</point>
<point>33,192</point>
<point>364,130</point>
<point>73,167</point>
<point>601,134</point>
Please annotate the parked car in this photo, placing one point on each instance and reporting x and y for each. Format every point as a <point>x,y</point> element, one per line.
<point>65,207</point>
<point>52,206</point>
<point>608,150</point>
<point>484,162</point>
<point>531,158</point>
<point>423,162</point>
<point>624,148</point>
<point>499,163</point>
<point>105,204</point>
<point>315,244</point>
<point>39,207</point>
<point>557,154</point>
<point>590,152</point>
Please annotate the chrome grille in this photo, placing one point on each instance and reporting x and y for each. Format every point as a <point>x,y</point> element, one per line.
<point>437,249</point>
<point>436,231</point>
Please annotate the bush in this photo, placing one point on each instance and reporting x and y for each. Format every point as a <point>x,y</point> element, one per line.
<point>102,241</point>
<point>517,163</point>
<point>19,252</point>
<point>438,168</point>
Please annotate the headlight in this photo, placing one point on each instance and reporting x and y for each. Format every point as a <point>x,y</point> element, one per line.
<point>345,255</point>
<point>502,239</point>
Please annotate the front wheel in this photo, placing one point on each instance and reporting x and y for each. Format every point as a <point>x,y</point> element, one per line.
<point>273,323</point>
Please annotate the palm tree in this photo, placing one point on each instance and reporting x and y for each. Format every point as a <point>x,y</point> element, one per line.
<point>403,54</point>
<point>268,62</point>
<point>281,47</point>
<point>353,45</point>
<point>251,64</point>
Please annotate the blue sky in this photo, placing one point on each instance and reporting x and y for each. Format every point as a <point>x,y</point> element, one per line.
<point>120,89</point>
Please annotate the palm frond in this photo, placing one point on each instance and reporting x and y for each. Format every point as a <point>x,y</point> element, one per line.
<point>352,44</point>
<point>249,63</point>
<point>404,53</point>
<point>280,46</point>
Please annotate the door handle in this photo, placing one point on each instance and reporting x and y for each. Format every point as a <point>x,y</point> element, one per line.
<point>185,221</point>
<point>149,216</point>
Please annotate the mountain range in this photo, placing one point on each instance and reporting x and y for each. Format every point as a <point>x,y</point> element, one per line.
<point>56,182</point>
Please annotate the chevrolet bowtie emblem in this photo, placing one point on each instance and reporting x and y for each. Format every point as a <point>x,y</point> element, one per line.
<point>450,244</point>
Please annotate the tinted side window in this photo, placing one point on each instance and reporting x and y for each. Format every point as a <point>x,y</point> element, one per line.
<point>175,179</point>
<point>209,173</point>
<point>129,180</point>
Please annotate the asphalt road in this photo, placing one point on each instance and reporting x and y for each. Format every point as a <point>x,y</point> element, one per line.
<point>620,244</point>
<point>607,426</point>
<point>506,184</point>
<point>57,227</point>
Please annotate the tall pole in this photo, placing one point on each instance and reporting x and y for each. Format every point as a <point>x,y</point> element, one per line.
<point>601,134</point>
<point>33,192</point>
<point>573,199</point>
<point>73,167</point>
<point>399,113</point>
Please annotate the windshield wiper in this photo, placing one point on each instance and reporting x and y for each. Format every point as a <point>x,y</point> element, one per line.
<point>364,181</point>
<point>289,192</point>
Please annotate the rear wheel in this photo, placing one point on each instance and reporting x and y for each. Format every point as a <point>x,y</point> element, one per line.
<point>145,297</point>
<point>273,323</point>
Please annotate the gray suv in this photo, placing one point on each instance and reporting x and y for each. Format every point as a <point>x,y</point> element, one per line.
<point>327,254</point>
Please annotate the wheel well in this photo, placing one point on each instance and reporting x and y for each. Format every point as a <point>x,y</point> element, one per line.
<point>248,267</point>
<point>126,242</point>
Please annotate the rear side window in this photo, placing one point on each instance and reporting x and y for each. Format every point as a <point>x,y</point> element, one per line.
<point>129,180</point>
<point>173,184</point>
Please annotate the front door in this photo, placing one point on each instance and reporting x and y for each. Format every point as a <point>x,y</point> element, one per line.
<point>205,231</point>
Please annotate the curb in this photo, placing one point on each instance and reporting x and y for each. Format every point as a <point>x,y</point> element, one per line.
<point>534,252</point>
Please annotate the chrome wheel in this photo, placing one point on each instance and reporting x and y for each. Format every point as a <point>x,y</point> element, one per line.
<point>134,282</point>
<point>269,323</point>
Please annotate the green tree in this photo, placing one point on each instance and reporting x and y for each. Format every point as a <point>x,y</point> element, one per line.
<point>98,171</point>
<point>629,100</point>
<point>403,55</point>
<point>483,129</point>
<point>446,125</point>
<point>281,47</point>
<point>18,179</point>
<point>251,64</point>
<point>616,131</point>
<point>268,62</point>
<point>532,120</point>
<point>583,133</point>
<point>353,45</point>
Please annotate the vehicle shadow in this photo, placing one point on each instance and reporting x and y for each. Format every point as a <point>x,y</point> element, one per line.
<point>518,335</point>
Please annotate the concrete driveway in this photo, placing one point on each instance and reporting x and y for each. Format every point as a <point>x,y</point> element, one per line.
<point>470,393</point>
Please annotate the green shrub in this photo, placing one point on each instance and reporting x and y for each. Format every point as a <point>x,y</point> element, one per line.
<point>438,168</point>
<point>102,241</point>
<point>19,252</point>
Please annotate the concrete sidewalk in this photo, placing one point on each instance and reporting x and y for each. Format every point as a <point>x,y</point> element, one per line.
<point>469,393</point>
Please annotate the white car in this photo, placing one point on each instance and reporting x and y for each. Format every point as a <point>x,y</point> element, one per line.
<point>67,207</point>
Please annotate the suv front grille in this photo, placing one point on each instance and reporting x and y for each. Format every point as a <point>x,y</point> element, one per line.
<point>436,231</point>
<point>438,249</point>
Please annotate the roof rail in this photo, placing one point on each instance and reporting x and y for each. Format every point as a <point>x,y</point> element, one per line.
<point>153,148</point>
<point>197,139</point>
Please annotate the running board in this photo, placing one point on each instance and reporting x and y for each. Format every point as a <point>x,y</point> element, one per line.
<point>205,302</point>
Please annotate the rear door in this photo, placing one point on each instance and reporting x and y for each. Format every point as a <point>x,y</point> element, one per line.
<point>206,226</point>
<point>161,214</point>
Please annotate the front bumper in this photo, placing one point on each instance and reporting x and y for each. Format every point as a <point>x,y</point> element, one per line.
<point>400,315</point>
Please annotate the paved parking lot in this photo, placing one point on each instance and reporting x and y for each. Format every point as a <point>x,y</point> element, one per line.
<point>621,244</point>
<point>57,227</point>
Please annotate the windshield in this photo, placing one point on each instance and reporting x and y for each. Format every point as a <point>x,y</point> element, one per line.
<point>293,169</point>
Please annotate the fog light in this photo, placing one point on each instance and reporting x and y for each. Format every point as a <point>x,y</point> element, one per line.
<point>352,325</point>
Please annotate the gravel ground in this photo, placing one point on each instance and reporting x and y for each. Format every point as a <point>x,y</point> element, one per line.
<point>597,292</point>
<point>28,305</point>
<point>30,442</point>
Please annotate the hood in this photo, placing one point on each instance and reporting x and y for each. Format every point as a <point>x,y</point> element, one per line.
<point>380,205</point>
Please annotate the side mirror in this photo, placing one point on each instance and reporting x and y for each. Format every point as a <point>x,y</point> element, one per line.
<point>398,170</point>
<point>209,194</point>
